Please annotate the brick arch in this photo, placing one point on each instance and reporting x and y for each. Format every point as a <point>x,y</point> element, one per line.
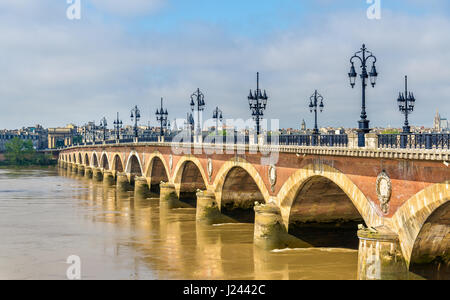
<point>289,191</point>
<point>178,173</point>
<point>134,165</point>
<point>409,219</point>
<point>105,161</point>
<point>95,162</point>
<point>116,163</point>
<point>246,166</point>
<point>87,161</point>
<point>156,164</point>
<point>186,191</point>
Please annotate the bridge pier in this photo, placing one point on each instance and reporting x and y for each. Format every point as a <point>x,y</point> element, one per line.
<point>207,208</point>
<point>97,174</point>
<point>380,256</point>
<point>269,231</point>
<point>74,169</point>
<point>88,172</point>
<point>108,178</point>
<point>141,187</point>
<point>123,183</point>
<point>168,195</point>
<point>81,170</point>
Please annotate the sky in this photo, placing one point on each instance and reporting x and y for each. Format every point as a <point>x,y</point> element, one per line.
<point>55,71</point>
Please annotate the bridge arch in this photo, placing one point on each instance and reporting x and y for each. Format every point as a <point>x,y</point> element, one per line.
<point>296,181</point>
<point>134,165</point>
<point>189,177</point>
<point>74,158</point>
<point>239,174</point>
<point>104,162</point>
<point>80,158</point>
<point>410,218</point>
<point>94,159</point>
<point>156,171</point>
<point>117,163</point>
<point>86,160</point>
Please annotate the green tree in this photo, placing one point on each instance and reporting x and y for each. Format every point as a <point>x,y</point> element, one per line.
<point>20,152</point>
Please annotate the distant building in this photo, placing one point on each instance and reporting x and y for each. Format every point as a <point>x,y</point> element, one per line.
<point>59,137</point>
<point>303,127</point>
<point>440,124</point>
<point>7,135</point>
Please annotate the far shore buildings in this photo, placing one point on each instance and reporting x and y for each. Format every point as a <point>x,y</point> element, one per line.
<point>440,124</point>
<point>36,134</point>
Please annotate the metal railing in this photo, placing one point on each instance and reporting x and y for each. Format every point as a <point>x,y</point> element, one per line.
<point>424,141</point>
<point>330,140</point>
<point>414,141</point>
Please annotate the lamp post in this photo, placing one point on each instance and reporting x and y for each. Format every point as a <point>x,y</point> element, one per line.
<point>313,106</point>
<point>258,103</point>
<point>117,126</point>
<point>161,116</point>
<point>218,116</point>
<point>364,57</point>
<point>103,124</point>
<point>406,104</point>
<point>198,104</point>
<point>135,117</point>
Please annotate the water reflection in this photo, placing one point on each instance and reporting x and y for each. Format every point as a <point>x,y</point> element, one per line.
<point>120,236</point>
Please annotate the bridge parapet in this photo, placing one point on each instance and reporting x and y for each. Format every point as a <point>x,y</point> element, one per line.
<point>370,152</point>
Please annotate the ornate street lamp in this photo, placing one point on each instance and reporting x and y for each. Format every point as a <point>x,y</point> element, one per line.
<point>162,116</point>
<point>314,106</point>
<point>406,104</point>
<point>198,104</point>
<point>117,126</point>
<point>135,117</point>
<point>258,103</point>
<point>217,115</point>
<point>103,125</point>
<point>364,57</point>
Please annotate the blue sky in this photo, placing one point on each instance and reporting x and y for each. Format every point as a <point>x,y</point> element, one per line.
<point>122,53</point>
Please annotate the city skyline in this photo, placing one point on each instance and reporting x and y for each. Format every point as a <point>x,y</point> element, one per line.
<point>60,71</point>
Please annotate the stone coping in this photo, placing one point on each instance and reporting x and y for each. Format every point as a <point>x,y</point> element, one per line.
<point>407,154</point>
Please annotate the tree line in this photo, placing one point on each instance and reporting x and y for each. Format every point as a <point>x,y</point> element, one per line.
<point>20,152</point>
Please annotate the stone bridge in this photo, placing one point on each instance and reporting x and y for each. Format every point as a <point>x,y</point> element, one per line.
<point>307,197</point>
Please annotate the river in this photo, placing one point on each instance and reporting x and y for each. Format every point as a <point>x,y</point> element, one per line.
<point>47,215</point>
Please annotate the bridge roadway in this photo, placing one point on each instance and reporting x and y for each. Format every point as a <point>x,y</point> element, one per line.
<point>298,196</point>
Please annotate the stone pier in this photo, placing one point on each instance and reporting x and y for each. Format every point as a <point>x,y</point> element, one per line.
<point>269,231</point>
<point>88,172</point>
<point>380,256</point>
<point>108,178</point>
<point>81,170</point>
<point>208,211</point>
<point>141,187</point>
<point>168,195</point>
<point>123,183</point>
<point>97,174</point>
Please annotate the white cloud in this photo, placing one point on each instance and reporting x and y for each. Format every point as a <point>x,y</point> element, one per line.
<point>59,72</point>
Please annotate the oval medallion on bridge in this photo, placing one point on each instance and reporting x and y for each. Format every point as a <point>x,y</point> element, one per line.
<point>170,162</point>
<point>272,177</point>
<point>210,168</point>
<point>384,191</point>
